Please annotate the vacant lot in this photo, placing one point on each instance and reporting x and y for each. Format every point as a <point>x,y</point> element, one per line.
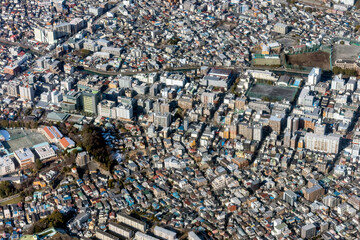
<point>347,52</point>
<point>272,92</point>
<point>316,59</point>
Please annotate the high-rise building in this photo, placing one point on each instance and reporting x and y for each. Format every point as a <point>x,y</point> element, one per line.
<point>257,132</point>
<point>106,108</point>
<point>322,143</point>
<point>27,92</point>
<point>56,97</point>
<point>162,119</point>
<point>90,101</point>
<point>313,193</point>
<point>308,231</point>
<point>82,159</point>
<point>290,197</point>
<point>7,165</point>
<point>124,112</point>
<point>72,101</point>
<point>233,131</point>
<point>314,76</point>
<point>331,201</point>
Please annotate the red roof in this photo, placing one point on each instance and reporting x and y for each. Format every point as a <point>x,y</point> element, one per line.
<point>48,132</point>
<point>64,142</point>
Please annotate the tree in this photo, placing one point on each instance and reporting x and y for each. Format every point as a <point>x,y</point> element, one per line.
<point>337,70</point>
<point>7,189</point>
<point>111,183</point>
<point>38,164</point>
<point>55,219</point>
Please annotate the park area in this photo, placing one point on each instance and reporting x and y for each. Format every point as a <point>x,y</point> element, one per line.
<point>272,93</point>
<point>318,59</point>
<point>23,138</point>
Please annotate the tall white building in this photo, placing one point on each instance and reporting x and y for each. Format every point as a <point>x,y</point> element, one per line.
<point>257,132</point>
<point>45,97</point>
<point>27,92</point>
<point>7,165</point>
<point>322,143</point>
<point>338,83</point>
<point>314,76</point>
<point>124,112</point>
<point>106,108</point>
<point>56,97</point>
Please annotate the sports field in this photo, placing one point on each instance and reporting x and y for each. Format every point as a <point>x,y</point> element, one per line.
<point>23,138</point>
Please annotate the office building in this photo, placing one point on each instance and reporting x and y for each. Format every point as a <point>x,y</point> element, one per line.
<point>72,101</point>
<point>90,100</point>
